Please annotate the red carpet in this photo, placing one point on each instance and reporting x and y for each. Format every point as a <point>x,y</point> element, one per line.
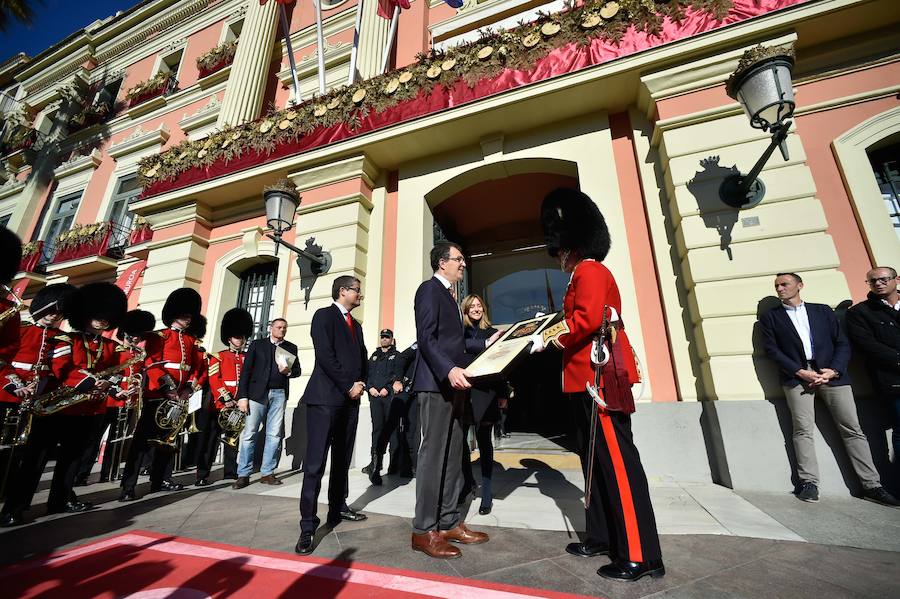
<point>144,565</point>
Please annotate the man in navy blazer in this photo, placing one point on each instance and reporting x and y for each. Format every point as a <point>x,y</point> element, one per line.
<point>811,351</point>
<point>440,384</point>
<point>332,407</point>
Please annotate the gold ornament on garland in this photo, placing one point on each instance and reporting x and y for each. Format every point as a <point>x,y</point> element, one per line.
<point>519,48</point>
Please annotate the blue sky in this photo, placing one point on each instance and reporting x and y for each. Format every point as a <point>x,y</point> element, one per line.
<point>54,21</point>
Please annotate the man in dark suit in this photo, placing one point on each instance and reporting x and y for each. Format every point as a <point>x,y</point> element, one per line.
<point>440,385</point>
<point>873,326</point>
<point>332,407</point>
<point>262,392</point>
<point>811,352</point>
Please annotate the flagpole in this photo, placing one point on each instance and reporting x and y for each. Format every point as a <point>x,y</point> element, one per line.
<point>386,57</point>
<point>355,50</point>
<point>321,42</point>
<point>290,53</point>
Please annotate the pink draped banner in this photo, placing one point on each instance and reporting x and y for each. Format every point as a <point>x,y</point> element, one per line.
<point>563,60</point>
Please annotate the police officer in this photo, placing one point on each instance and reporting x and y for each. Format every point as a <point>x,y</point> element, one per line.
<point>382,383</point>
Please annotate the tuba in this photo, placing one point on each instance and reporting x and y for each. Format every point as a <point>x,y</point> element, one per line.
<point>231,420</point>
<point>66,396</point>
<point>18,304</point>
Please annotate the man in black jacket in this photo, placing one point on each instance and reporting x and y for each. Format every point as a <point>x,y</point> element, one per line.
<point>382,382</point>
<point>262,394</point>
<point>811,352</point>
<point>874,328</point>
<point>332,407</point>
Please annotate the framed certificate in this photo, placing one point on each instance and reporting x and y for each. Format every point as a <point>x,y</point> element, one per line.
<point>497,359</point>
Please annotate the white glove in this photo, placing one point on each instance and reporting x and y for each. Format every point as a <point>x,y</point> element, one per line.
<point>537,343</point>
<point>539,314</point>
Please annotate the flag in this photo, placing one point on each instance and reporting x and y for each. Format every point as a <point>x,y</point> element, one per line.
<point>386,7</point>
<point>129,278</point>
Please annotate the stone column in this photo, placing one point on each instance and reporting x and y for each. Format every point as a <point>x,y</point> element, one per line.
<point>372,40</point>
<point>247,82</point>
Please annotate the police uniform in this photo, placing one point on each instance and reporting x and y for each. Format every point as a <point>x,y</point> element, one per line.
<point>384,370</point>
<point>224,374</point>
<point>172,370</point>
<point>619,516</point>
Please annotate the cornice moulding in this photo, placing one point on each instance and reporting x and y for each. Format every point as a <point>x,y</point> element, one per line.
<point>346,19</point>
<point>334,203</point>
<point>218,77</point>
<point>139,140</point>
<point>8,190</point>
<point>203,116</point>
<point>78,164</point>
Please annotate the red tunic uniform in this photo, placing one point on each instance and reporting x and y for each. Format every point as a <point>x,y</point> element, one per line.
<point>224,373</point>
<point>9,342</point>
<point>173,358</point>
<point>126,353</point>
<point>90,355</point>
<point>42,352</point>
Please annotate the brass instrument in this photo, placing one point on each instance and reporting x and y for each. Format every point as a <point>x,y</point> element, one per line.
<point>231,420</point>
<point>193,428</point>
<point>130,413</point>
<point>65,396</point>
<point>18,304</point>
<point>171,416</point>
<point>16,425</point>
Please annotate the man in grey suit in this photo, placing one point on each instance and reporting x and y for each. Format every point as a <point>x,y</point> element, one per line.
<point>440,385</point>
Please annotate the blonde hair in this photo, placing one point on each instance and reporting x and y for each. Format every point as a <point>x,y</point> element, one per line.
<point>485,322</point>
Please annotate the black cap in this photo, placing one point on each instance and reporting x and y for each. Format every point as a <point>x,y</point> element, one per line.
<point>386,333</point>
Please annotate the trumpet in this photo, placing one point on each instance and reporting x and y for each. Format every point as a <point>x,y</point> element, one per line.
<point>18,304</point>
<point>231,420</point>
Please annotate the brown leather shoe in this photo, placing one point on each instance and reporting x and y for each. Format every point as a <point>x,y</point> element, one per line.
<point>270,479</point>
<point>241,482</point>
<point>433,545</point>
<point>461,534</point>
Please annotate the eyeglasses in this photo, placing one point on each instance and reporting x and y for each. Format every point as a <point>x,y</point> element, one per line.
<point>877,280</point>
<point>356,289</point>
<point>458,259</point>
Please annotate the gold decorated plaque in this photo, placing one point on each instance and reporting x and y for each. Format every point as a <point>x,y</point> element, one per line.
<point>434,71</point>
<point>334,103</point>
<point>609,10</point>
<point>392,86</point>
<point>405,77</point>
<point>497,359</point>
<point>485,52</point>
<point>359,95</point>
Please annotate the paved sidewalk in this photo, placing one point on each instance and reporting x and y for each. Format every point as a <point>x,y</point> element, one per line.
<point>715,543</point>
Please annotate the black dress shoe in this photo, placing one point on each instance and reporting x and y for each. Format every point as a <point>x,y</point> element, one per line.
<point>202,482</point>
<point>584,550</point>
<point>375,478</point>
<point>127,496</point>
<point>352,516</point>
<point>167,485</point>
<point>305,544</point>
<point>621,570</point>
<point>240,482</point>
<point>367,469</point>
<point>71,507</point>
<point>80,482</point>
<point>12,519</point>
<point>484,510</point>
<point>103,479</point>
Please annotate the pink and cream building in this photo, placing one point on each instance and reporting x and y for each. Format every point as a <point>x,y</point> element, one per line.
<point>637,119</point>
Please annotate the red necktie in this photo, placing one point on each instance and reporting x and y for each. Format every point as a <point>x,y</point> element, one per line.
<point>350,325</point>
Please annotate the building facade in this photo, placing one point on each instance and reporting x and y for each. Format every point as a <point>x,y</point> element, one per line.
<point>138,148</point>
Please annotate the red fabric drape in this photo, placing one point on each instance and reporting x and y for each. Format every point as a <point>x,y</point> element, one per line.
<point>560,61</point>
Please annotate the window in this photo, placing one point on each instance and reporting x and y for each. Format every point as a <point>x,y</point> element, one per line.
<point>256,295</point>
<point>60,221</point>
<point>171,63</point>
<point>886,164</point>
<point>121,218</point>
<point>4,220</point>
<point>233,31</point>
<point>106,95</point>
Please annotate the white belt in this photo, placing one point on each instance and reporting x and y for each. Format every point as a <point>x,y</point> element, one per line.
<point>22,365</point>
<point>230,383</point>
<point>176,366</point>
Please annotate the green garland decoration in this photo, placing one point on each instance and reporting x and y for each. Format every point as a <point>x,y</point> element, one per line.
<point>517,49</point>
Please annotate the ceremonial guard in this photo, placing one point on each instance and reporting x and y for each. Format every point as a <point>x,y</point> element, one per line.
<point>619,515</point>
<point>43,358</point>
<point>126,398</point>
<point>172,374</point>
<point>10,256</point>
<point>92,311</point>
<point>186,453</point>
<point>224,373</point>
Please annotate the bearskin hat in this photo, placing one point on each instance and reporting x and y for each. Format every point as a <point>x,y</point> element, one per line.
<point>181,301</point>
<point>197,328</point>
<point>10,255</point>
<point>136,323</point>
<point>572,222</point>
<point>52,298</point>
<point>103,301</point>
<point>237,322</point>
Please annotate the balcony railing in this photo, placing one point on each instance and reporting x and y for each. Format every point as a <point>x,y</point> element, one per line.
<point>111,242</point>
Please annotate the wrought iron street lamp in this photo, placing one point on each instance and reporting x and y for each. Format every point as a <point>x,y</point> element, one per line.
<point>282,201</point>
<point>762,84</point>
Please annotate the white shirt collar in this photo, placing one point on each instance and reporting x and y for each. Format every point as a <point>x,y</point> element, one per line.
<point>443,281</point>
<point>279,342</point>
<point>894,306</point>
<point>344,311</point>
<point>794,308</point>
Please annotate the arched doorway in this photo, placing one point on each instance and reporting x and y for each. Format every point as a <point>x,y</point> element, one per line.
<point>496,220</point>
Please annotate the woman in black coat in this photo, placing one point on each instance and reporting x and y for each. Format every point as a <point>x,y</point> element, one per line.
<point>485,411</point>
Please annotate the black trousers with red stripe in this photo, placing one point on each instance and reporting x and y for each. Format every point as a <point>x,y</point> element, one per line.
<point>620,514</point>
